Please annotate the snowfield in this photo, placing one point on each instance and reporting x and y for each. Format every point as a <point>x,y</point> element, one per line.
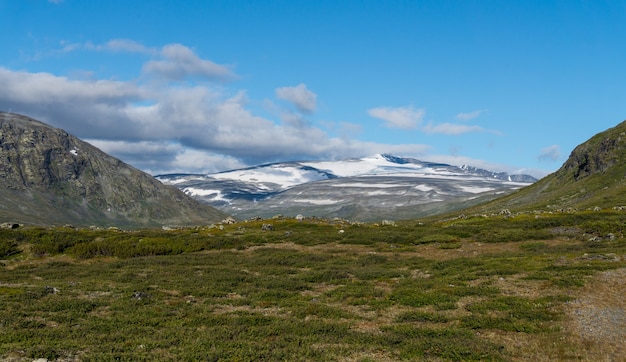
<point>366,187</point>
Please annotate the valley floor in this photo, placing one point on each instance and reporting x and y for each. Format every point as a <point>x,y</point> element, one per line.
<point>509,289</point>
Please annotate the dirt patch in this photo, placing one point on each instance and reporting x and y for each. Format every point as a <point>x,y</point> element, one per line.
<point>319,290</point>
<point>328,247</point>
<point>517,285</point>
<point>468,248</point>
<point>381,356</point>
<point>597,317</point>
<point>269,311</point>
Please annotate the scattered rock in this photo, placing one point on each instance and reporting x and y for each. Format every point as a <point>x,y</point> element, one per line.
<point>51,290</point>
<point>140,295</point>
<point>9,225</point>
<point>267,227</point>
<point>606,257</point>
<point>229,220</point>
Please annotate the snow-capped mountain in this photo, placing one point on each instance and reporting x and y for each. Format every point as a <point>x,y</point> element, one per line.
<point>364,188</point>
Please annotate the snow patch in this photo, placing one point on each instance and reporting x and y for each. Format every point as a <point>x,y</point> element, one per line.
<point>375,165</point>
<point>475,189</point>
<point>285,176</point>
<point>317,202</point>
<point>192,191</point>
<point>368,185</point>
<point>424,188</point>
<point>378,193</point>
<point>180,180</point>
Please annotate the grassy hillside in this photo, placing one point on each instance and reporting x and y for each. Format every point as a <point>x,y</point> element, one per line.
<point>593,176</point>
<point>495,288</point>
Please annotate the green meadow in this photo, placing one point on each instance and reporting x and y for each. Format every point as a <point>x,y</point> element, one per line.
<point>470,288</point>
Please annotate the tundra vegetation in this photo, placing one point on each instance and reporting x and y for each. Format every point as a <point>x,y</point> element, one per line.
<point>495,287</point>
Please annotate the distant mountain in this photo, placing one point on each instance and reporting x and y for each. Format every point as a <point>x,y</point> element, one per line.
<point>48,177</point>
<point>593,176</point>
<point>381,186</point>
<point>500,175</point>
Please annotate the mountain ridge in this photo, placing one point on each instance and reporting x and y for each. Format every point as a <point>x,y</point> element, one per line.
<point>365,188</point>
<point>49,177</point>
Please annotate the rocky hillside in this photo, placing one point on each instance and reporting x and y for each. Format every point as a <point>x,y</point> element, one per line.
<point>49,177</point>
<point>594,176</point>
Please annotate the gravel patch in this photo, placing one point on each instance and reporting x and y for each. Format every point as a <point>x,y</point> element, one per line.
<point>597,318</point>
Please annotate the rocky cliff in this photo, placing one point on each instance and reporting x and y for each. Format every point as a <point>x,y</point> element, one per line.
<point>598,155</point>
<point>49,177</point>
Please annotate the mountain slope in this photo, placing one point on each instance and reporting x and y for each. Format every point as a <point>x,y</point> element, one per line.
<point>594,175</point>
<point>48,177</point>
<point>371,188</point>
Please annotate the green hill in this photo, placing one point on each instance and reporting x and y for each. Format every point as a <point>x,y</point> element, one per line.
<point>594,176</point>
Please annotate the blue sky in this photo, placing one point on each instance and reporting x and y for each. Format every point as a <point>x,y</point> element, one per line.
<point>205,86</point>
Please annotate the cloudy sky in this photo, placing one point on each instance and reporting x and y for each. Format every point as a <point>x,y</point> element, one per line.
<point>205,86</point>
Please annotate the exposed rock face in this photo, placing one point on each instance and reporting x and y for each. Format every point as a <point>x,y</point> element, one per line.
<point>48,176</point>
<point>598,154</point>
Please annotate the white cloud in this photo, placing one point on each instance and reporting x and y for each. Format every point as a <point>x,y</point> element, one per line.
<point>450,128</point>
<point>550,153</point>
<point>469,115</point>
<point>343,129</point>
<point>165,127</point>
<point>159,157</point>
<point>113,46</point>
<point>399,117</point>
<point>410,118</point>
<point>172,62</point>
<point>299,96</point>
<point>69,46</point>
<point>292,119</point>
<point>179,62</point>
<point>123,45</point>
<point>47,88</point>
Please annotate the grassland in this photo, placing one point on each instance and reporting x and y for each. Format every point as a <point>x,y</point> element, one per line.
<point>477,288</point>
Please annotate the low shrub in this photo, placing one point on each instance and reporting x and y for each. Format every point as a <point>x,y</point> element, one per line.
<point>8,247</point>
